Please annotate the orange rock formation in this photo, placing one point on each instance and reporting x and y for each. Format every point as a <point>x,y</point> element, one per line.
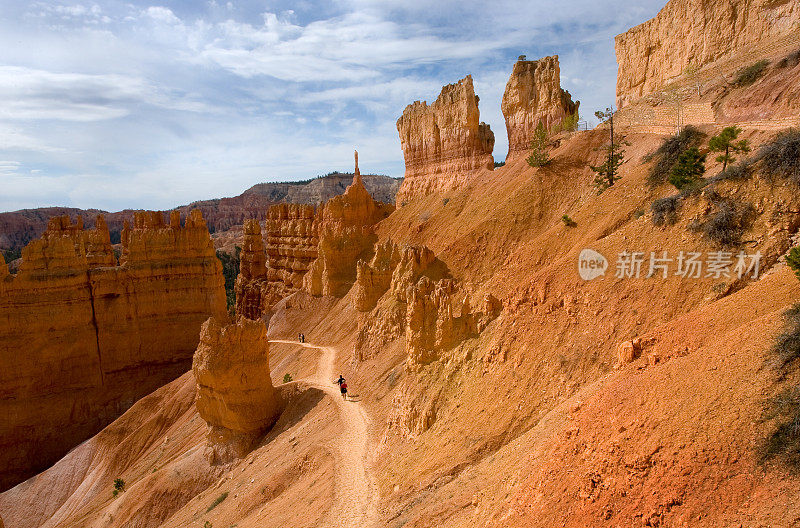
<point>82,338</point>
<point>235,395</point>
<point>292,240</point>
<point>438,318</point>
<point>693,33</point>
<point>534,95</point>
<point>270,272</point>
<point>252,288</point>
<point>346,235</point>
<point>444,143</point>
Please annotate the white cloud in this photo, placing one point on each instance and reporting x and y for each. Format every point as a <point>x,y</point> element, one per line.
<point>136,104</point>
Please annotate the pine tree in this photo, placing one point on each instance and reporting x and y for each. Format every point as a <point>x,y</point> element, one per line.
<point>726,143</point>
<point>539,156</point>
<point>608,171</point>
<point>688,169</point>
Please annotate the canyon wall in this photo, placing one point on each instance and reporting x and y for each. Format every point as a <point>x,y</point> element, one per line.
<point>82,337</point>
<point>235,395</point>
<point>444,143</point>
<point>269,272</point>
<point>693,33</point>
<point>534,95</point>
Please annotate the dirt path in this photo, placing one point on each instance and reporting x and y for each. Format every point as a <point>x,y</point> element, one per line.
<point>356,497</point>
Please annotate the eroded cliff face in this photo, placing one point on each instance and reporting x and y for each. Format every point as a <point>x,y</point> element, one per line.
<point>534,95</point>
<point>235,395</point>
<point>82,338</point>
<point>444,143</point>
<point>693,33</point>
<point>292,240</point>
<point>346,235</point>
<point>252,287</point>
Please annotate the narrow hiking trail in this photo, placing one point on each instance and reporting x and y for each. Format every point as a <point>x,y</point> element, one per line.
<point>355,495</point>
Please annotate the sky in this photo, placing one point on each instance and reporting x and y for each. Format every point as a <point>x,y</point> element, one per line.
<point>113,104</point>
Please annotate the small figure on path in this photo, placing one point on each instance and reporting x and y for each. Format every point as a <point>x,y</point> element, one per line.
<point>342,386</point>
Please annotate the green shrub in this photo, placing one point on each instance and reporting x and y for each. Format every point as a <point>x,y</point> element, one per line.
<point>119,484</point>
<point>499,163</point>
<point>665,210</point>
<point>667,154</point>
<point>793,260</point>
<point>230,270</point>
<point>287,378</point>
<point>781,157</point>
<point>539,156</point>
<point>750,74</point>
<point>725,143</point>
<point>217,501</point>
<point>688,169</point>
<point>569,222</point>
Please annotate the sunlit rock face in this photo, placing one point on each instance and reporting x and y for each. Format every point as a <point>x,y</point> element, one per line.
<point>444,143</point>
<point>534,95</point>
<point>235,395</point>
<point>83,337</point>
<point>692,33</point>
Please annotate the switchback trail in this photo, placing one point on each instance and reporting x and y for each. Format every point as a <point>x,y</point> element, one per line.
<point>356,497</point>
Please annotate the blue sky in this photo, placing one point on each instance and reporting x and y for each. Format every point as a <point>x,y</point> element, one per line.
<point>114,104</point>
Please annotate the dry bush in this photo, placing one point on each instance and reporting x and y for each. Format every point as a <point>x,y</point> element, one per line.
<point>667,154</point>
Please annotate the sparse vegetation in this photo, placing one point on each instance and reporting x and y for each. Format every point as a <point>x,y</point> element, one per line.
<point>741,171</point>
<point>287,378</point>
<point>569,123</point>
<point>688,169</point>
<point>784,442</point>
<point>119,486</point>
<point>790,61</point>
<point>728,224</point>
<point>217,501</point>
<point>667,154</point>
<point>665,210</point>
<point>725,142</point>
<point>569,222</point>
<point>793,261</point>
<point>208,525</point>
<point>608,171</point>
<point>499,163</point>
<point>11,254</point>
<point>781,157</point>
<point>750,74</point>
<point>539,156</point>
<point>230,270</point>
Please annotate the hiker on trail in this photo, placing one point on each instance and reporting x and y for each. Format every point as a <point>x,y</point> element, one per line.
<point>342,386</point>
<point>302,338</point>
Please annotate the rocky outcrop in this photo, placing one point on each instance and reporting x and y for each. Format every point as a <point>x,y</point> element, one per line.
<point>346,235</point>
<point>438,317</point>
<point>694,33</point>
<point>534,95</point>
<point>82,337</point>
<point>445,143</point>
<point>235,395</point>
<point>252,290</point>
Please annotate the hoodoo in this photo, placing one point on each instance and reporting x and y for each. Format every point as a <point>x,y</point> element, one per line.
<point>346,235</point>
<point>444,143</point>
<point>235,395</point>
<point>534,95</point>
